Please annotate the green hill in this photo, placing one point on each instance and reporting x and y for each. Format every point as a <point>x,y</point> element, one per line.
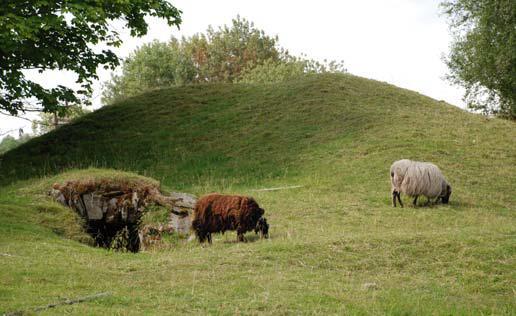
<point>337,245</point>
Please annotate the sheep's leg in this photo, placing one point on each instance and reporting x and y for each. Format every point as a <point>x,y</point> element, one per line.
<point>396,194</point>
<point>200,236</point>
<point>399,198</point>
<point>240,234</point>
<point>427,201</point>
<point>415,200</point>
<point>209,238</point>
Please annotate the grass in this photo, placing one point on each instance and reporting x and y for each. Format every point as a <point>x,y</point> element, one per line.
<point>336,136</point>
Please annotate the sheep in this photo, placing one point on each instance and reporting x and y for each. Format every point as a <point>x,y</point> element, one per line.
<point>215,213</point>
<point>416,178</point>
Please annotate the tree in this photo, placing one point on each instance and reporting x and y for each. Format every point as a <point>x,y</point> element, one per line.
<point>61,34</point>
<point>288,68</point>
<point>50,121</point>
<point>483,53</point>
<point>222,55</point>
<point>9,142</point>
<point>153,65</point>
<point>237,53</point>
<point>218,56</point>
<point>272,72</point>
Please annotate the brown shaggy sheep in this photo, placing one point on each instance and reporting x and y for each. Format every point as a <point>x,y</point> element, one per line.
<point>215,213</point>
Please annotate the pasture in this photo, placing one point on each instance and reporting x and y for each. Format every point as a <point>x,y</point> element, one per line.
<point>337,245</point>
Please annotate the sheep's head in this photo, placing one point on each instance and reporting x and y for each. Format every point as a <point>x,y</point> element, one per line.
<point>445,196</point>
<point>262,227</point>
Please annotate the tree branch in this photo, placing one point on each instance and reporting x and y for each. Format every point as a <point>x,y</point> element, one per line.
<point>24,118</point>
<point>20,117</point>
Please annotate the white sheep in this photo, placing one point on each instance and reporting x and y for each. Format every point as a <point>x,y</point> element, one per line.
<point>415,178</point>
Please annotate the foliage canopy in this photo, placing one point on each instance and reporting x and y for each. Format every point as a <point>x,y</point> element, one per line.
<point>237,53</point>
<point>50,121</point>
<point>9,142</point>
<point>483,53</point>
<point>45,35</point>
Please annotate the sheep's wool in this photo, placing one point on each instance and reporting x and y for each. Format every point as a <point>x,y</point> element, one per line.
<point>417,178</point>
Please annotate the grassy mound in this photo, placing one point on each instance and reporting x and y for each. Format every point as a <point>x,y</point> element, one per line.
<point>28,207</point>
<point>337,246</point>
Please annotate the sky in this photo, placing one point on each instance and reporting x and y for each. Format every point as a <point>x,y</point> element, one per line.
<point>401,42</point>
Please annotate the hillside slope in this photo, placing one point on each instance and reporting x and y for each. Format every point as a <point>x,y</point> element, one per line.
<point>258,131</point>
<point>336,136</point>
